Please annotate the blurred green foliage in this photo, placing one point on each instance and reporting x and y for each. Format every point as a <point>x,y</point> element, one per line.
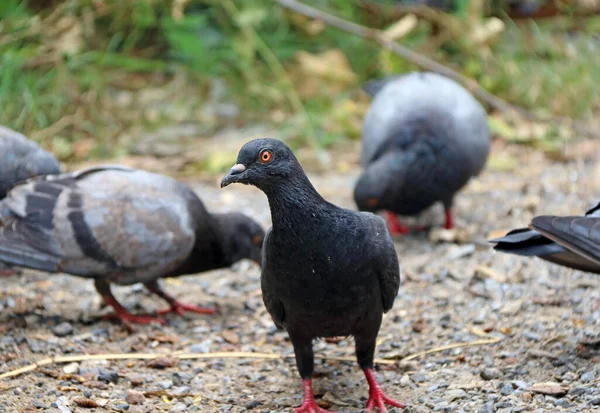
<point>81,74</point>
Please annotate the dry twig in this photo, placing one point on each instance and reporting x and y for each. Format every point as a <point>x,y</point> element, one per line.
<point>425,62</point>
<point>452,346</point>
<point>152,356</point>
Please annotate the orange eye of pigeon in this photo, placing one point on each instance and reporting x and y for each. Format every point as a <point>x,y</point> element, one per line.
<point>266,156</point>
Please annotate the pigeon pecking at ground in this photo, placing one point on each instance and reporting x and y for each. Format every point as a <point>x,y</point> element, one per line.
<point>572,242</point>
<point>122,226</point>
<point>326,271</point>
<point>21,159</point>
<point>424,137</point>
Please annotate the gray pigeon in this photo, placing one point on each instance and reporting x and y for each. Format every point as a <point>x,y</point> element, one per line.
<point>424,137</point>
<point>21,159</point>
<point>572,242</point>
<point>123,226</point>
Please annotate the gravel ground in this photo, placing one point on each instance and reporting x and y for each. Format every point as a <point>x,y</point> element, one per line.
<point>545,319</point>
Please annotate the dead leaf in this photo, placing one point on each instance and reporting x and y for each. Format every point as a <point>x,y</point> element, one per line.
<point>331,64</point>
<point>550,389</point>
<point>230,337</point>
<point>162,363</point>
<point>483,272</point>
<point>85,402</point>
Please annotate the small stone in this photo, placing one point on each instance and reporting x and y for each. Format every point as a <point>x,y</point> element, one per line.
<point>550,389</point>
<point>71,368</point>
<point>527,397</point>
<point>252,404</point>
<point>62,329</point>
<point>87,394</point>
<point>595,401</point>
<point>135,397</point>
<point>455,394</point>
<point>181,391</point>
<point>122,407</point>
<point>37,404</point>
<point>420,378</point>
<point>108,376</point>
<point>506,389</point>
<point>487,408</point>
<point>564,403</point>
<point>230,337</point>
<point>178,408</point>
<point>578,391</point>
<point>405,381</point>
<point>490,373</point>
<point>202,347</point>
<point>588,376</point>
<point>441,407</point>
<point>165,384</point>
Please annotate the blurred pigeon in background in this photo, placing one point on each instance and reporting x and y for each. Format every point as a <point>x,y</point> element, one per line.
<point>327,271</point>
<point>424,137</point>
<point>123,226</point>
<point>572,242</point>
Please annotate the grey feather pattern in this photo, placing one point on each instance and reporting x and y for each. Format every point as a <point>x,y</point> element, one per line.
<point>122,224</point>
<point>21,159</point>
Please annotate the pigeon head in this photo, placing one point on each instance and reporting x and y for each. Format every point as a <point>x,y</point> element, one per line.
<point>373,189</point>
<point>263,163</point>
<point>242,237</point>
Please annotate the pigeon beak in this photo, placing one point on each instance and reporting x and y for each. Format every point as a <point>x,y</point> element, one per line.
<point>233,175</point>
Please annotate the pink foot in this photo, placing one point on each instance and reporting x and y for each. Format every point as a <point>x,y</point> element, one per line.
<point>395,227</point>
<point>377,398</point>
<point>181,308</point>
<point>309,405</point>
<point>449,219</point>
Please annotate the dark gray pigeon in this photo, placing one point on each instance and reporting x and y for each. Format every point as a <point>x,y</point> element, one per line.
<point>424,137</point>
<point>572,242</point>
<point>327,271</point>
<point>123,226</point>
<point>21,159</point>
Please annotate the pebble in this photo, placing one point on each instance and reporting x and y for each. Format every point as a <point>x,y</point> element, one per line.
<point>202,347</point>
<point>108,376</point>
<point>455,394</point>
<point>135,397</point>
<point>71,368</point>
<point>420,378</point>
<point>122,407</point>
<point>595,401</point>
<point>165,384</point>
<point>62,329</point>
<point>487,408</point>
<point>506,389</point>
<point>564,403</point>
<point>588,376</point>
<point>252,404</point>
<point>490,373</point>
<point>405,381</point>
<point>177,408</point>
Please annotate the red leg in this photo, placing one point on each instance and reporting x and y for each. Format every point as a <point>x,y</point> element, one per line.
<point>449,218</point>
<point>309,405</point>
<point>395,227</point>
<point>377,398</point>
<point>121,312</point>
<point>176,306</point>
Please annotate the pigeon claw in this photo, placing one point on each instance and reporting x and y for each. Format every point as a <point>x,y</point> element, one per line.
<point>395,227</point>
<point>181,308</point>
<point>377,398</point>
<point>310,406</point>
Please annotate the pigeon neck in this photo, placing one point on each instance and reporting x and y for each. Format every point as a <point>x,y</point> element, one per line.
<point>295,201</point>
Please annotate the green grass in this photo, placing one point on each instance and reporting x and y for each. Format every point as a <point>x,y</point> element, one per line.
<point>99,62</point>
